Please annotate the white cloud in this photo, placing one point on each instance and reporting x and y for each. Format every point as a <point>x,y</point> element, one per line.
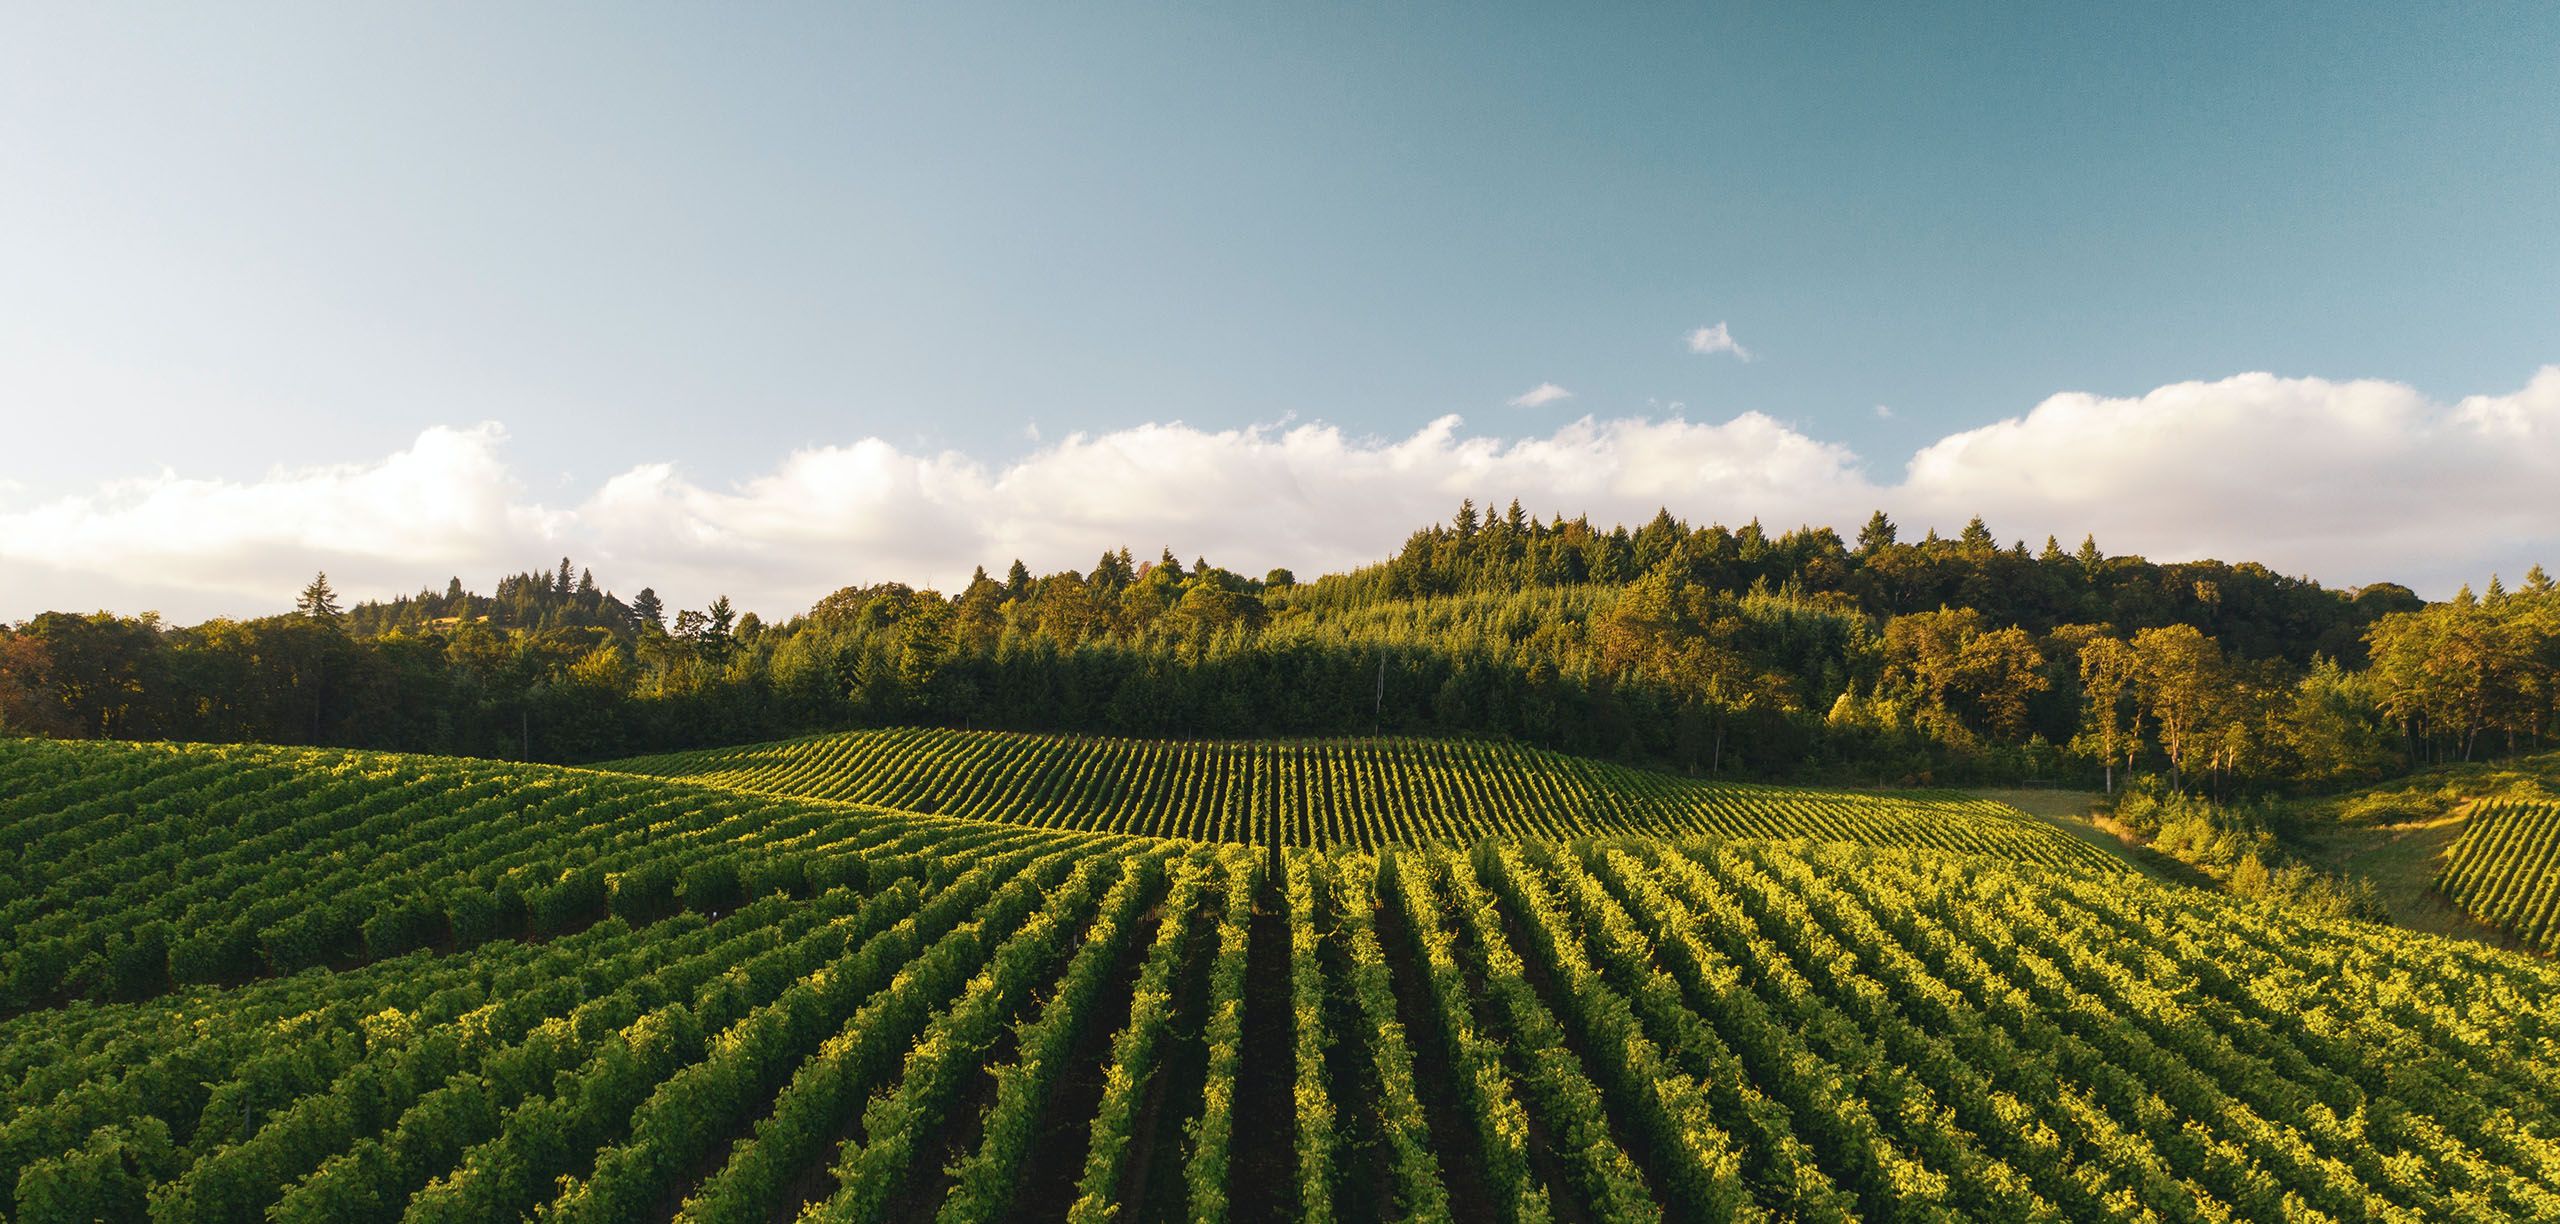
<point>2347,481</point>
<point>1717,339</point>
<point>1540,396</point>
<point>2351,481</point>
<point>446,504</point>
<point>1884,412</point>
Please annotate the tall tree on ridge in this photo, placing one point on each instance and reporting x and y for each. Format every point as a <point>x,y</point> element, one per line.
<point>647,613</point>
<point>318,601</point>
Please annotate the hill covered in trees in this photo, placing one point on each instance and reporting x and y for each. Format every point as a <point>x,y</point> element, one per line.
<point>1700,649</point>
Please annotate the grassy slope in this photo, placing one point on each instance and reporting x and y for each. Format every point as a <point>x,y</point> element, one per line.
<point>2395,834</point>
<point>2076,813</point>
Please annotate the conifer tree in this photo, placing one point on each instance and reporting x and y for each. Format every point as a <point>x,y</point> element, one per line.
<point>647,613</point>
<point>319,601</point>
<point>1876,536</point>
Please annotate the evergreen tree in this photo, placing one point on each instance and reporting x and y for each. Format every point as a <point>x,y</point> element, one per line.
<point>1017,581</point>
<point>587,583</point>
<point>647,613</point>
<point>1876,536</point>
<point>1977,538</point>
<point>566,580</point>
<point>318,601</point>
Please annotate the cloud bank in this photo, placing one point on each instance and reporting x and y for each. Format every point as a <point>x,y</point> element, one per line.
<point>2348,482</point>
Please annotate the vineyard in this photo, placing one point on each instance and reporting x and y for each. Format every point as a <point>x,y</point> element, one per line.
<point>2502,870</point>
<point>1362,794</point>
<point>258,983</point>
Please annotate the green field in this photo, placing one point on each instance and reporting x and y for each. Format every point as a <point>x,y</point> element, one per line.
<point>1328,794</point>
<point>305,985</point>
<point>2504,870</point>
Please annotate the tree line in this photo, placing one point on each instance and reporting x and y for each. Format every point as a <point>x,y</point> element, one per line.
<point>1701,649</point>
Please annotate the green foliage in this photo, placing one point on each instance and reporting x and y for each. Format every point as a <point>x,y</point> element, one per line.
<point>1361,793</point>
<point>919,1018</point>
<point>2505,870</point>
<point>1697,648</point>
<point>2238,846</point>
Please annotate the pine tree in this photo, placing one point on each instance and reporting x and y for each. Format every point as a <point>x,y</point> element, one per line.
<point>1467,519</point>
<point>587,582</point>
<point>1977,538</point>
<point>647,613</point>
<point>566,579</point>
<point>2089,557</point>
<point>717,621</point>
<point>318,601</point>
<point>1017,580</point>
<point>1876,536</point>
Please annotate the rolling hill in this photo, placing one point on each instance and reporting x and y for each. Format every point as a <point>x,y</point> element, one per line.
<point>1362,793</point>
<point>322,985</point>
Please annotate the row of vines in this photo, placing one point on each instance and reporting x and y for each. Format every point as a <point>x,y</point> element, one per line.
<point>994,1023</point>
<point>1362,794</point>
<point>2505,870</point>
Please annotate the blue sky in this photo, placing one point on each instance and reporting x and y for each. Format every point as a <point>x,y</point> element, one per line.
<point>241,240</point>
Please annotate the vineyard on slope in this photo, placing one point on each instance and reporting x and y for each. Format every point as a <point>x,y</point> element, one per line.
<point>642,1001</point>
<point>2505,870</point>
<point>1361,794</point>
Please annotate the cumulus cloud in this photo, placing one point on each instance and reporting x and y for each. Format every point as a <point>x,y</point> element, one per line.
<point>2348,482</point>
<point>1540,396</point>
<point>1717,339</point>
<point>446,503</point>
<point>2355,480</point>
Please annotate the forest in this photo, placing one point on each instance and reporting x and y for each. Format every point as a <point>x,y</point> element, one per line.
<point>1705,650</point>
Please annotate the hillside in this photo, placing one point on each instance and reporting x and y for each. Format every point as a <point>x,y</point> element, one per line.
<point>1336,793</point>
<point>2505,870</point>
<point>430,989</point>
<point>2447,848</point>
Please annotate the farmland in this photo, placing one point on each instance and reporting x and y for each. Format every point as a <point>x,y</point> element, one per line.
<point>2501,870</point>
<point>254,983</point>
<point>1360,794</point>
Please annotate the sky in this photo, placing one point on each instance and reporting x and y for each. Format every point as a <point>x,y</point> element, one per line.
<point>770,301</point>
